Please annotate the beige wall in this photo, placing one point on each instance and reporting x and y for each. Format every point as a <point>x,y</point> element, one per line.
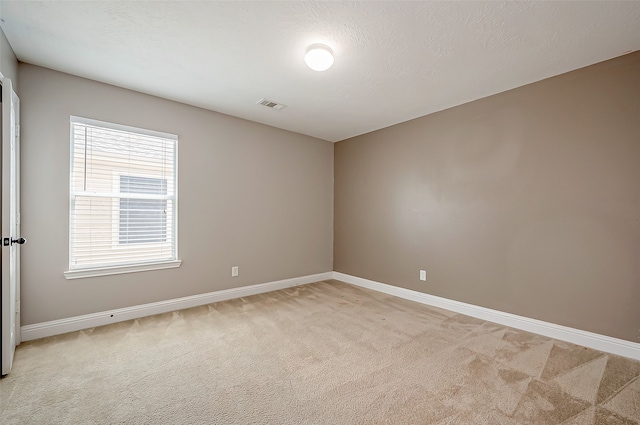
<point>8,61</point>
<point>249,195</point>
<point>526,202</point>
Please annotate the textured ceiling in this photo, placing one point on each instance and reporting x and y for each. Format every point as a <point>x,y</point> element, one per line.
<point>394,60</point>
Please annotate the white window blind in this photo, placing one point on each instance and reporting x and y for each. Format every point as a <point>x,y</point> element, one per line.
<point>123,208</point>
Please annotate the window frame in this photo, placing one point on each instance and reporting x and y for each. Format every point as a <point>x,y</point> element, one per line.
<point>146,265</point>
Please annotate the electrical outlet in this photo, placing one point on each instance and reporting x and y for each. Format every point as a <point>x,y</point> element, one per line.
<point>234,271</point>
<point>423,275</point>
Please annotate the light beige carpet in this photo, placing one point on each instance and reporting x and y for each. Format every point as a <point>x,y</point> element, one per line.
<point>325,353</point>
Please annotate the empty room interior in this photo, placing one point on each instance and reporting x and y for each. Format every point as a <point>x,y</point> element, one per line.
<point>230,212</point>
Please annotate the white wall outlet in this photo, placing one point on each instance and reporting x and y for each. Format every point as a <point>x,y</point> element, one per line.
<point>423,275</point>
<point>234,271</point>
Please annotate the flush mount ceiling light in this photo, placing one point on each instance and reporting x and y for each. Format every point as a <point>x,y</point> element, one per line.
<point>319,57</point>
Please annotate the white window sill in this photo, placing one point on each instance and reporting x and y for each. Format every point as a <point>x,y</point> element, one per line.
<point>106,271</point>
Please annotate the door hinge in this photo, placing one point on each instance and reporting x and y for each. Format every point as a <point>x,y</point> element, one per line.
<point>17,306</point>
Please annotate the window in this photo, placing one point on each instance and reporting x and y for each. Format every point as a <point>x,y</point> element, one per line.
<point>142,220</point>
<point>123,209</point>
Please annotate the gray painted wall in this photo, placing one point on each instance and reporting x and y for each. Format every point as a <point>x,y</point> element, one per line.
<point>249,195</point>
<point>526,202</point>
<point>8,61</point>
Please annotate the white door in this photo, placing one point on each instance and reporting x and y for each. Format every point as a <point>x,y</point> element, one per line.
<point>10,224</point>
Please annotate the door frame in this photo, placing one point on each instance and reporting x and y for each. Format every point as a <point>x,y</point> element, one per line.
<point>10,219</point>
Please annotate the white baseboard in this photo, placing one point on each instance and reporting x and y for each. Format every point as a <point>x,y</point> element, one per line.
<point>576,336</point>
<point>57,327</point>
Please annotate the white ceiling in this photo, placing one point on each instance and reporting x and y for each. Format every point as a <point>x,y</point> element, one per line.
<point>394,60</point>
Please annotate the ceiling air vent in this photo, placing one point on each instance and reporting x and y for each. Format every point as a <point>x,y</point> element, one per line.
<point>271,104</point>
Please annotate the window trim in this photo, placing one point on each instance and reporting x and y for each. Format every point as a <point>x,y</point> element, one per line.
<point>106,271</point>
<point>148,265</point>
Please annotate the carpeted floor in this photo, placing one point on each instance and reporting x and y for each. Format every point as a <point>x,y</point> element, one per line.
<point>325,353</point>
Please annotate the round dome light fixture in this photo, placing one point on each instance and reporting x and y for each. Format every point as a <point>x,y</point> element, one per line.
<point>319,57</point>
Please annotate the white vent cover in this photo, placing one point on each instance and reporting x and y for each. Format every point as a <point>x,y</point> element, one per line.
<point>271,104</point>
